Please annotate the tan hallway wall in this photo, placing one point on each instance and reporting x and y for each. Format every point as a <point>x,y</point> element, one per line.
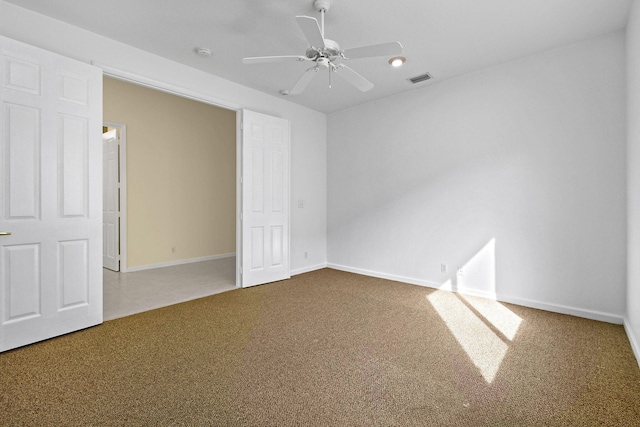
<point>181,170</point>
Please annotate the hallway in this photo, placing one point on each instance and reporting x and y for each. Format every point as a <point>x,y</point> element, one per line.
<point>135,292</point>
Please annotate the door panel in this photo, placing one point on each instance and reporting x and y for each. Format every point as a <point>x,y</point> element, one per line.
<point>22,148</point>
<point>21,282</point>
<point>277,182</point>
<point>257,183</point>
<point>74,271</point>
<point>72,154</point>
<point>277,245</point>
<point>50,187</point>
<point>265,199</point>
<point>22,75</point>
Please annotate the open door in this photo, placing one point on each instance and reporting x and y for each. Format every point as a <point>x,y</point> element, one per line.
<point>265,199</point>
<point>110,201</point>
<point>50,194</point>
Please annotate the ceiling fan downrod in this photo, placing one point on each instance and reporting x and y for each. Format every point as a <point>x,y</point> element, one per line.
<point>322,6</point>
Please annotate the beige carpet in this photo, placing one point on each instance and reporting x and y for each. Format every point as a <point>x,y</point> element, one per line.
<point>328,348</point>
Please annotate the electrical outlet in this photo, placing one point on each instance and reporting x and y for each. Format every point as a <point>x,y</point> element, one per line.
<point>443,268</point>
<point>305,255</point>
<point>173,250</point>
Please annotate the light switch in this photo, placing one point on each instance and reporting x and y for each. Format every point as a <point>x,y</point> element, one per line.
<point>301,203</point>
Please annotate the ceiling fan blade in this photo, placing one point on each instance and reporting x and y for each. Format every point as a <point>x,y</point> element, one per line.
<point>304,81</point>
<point>311,30</point>
<point>354,78</point>
<point>383,49</point>
<point>263,59</point>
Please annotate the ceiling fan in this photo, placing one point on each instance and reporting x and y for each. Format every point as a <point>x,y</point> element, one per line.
<point>326,54</point>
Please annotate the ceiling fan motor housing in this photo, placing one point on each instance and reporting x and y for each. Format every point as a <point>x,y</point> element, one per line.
<point>331,51</point>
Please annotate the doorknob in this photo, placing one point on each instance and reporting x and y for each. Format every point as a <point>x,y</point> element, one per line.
<point>5,233</point>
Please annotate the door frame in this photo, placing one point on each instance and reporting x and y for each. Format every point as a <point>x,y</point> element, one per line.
<point>206,99</point>
<point>122,202</point>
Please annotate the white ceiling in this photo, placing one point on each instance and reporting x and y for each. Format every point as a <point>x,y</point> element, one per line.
<point>443,37</point>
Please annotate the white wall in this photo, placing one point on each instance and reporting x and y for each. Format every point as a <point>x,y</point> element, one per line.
<point>632,321</point>
<point>308,127</point>
<point>516,172</point>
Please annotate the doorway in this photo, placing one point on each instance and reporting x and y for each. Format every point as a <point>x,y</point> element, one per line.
<point>178,200</point>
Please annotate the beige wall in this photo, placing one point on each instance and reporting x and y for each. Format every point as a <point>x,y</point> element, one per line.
<point>181,169</point>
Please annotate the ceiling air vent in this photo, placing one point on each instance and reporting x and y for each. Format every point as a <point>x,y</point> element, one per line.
<point>420,78</point>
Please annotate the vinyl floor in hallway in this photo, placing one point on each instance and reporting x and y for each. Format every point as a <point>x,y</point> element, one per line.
<point>135,292</point>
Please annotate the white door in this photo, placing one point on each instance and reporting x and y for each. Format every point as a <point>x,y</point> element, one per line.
<point>50,194</point>
<point>110,201</point>
<point>265,199</point>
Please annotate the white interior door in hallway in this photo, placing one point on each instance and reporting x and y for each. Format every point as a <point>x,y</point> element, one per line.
<point>50,195</point>
<point>265,199</point>
<point>110,201</point>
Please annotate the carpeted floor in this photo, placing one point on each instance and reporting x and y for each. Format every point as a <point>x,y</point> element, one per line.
<point>328,348</point>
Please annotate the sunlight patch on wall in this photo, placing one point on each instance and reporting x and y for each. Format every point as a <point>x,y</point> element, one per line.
<point>479,273</point>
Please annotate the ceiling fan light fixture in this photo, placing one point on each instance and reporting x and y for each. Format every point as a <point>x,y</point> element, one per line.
<point>397,61</point>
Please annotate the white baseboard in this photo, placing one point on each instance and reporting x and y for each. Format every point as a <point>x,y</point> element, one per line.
<point>177,262</point>
<point>555,308</point>
<point>381,275</point>
<point>308,269</point>
<point>635,345</point>
<point>563,309</point>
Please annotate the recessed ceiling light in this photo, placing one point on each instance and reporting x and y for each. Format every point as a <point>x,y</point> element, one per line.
<point>203,51</point>
<point>397,61</point>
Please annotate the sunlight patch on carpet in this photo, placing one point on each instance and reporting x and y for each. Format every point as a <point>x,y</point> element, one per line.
<point>485,348</point>
<point>503,319</point>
